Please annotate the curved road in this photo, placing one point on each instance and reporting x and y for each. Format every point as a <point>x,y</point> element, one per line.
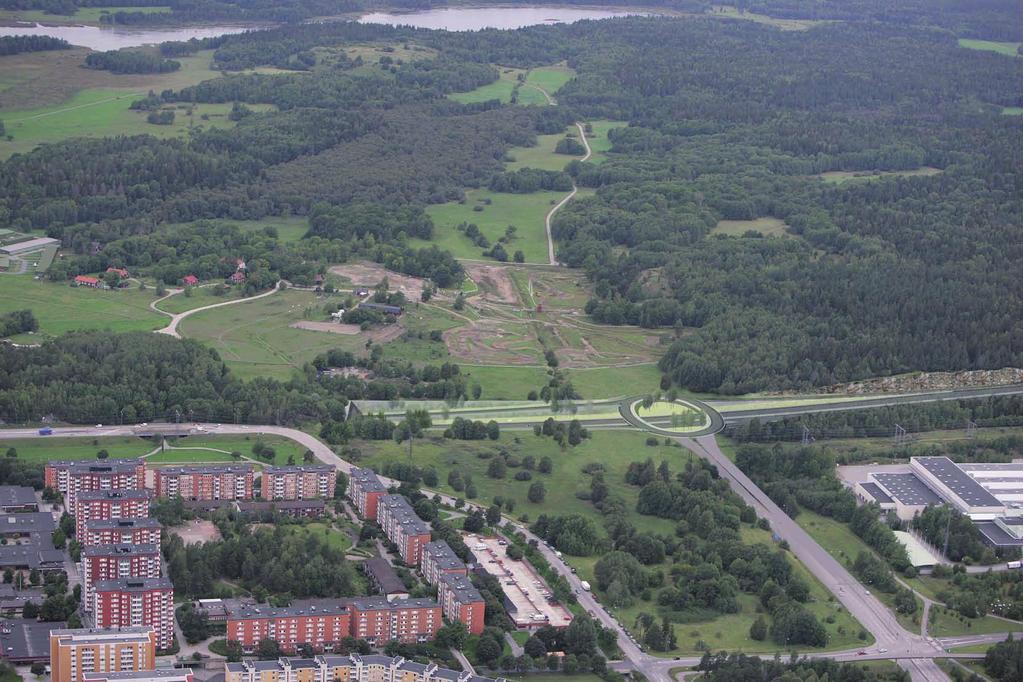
<point>550,213</point>
<point>172,327</point>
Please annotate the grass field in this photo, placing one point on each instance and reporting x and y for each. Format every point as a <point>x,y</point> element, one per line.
<point>103,112</point>
<point>334,537</point>
<point>501,89</point>
<point>34,80</point>
<point>600,145</point>
<point>730,632</point>
<point>769,227</point>
<point>729,12</point>
<point>541,156</point>
<point>614,449</point>
<point>843,177</point>
<point>525,211</point>
<point>88,16</point>
<point>199,297</point>
<point>255,339</point>
<point>1012,111</point>
<point>41,450</point>
<point>61,308</point>
<point>1008,49</point>
<point>548,79</point>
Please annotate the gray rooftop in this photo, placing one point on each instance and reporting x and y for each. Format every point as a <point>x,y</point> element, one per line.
<point>462,587</point>
<point>121,524</point>
<point>134,584</point>
<point>995,536</point>
<point>961,483</point>
<point>367,480</point>
<point>381,603</point>
<point>123,549</point>
<point>161,673</point>
<point>206,469</point>
<point>27,522</point>
<point>384,575</point>
<point>874,490</point>
<point>26,639</point>
<point>94,495</point>
<point>309,607</point>
<point>404,514</point>
<point>907,489</point>
<point>17,496</point>
<point>299,469</point>
<point>99,466</point>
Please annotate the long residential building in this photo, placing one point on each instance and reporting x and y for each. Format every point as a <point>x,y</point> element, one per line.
<point>111,562</point>
<point>73,477</point>
<point>318,624</point>
<point>321,623</point>
<point>365,490</point>
<point>17,498</point>
<point>438,559</point>
<point>301,482</point>
<point>102,505</point>
<point>122,532</point>
<point>403,527</point>
<point>161,675</point>
<point>379,621</point>
<point>209,482</point>
<point>461,601</point>
<point>353,668</point>
<point>74,653</point>
<point>136,601</point>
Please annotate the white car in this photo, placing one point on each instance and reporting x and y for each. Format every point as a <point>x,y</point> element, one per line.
<point>99,426</point>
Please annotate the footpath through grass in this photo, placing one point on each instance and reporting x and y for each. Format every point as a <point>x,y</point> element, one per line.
<point>1003,48</point>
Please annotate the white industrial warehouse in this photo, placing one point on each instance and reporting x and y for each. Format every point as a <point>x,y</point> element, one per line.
<point>991,494</point>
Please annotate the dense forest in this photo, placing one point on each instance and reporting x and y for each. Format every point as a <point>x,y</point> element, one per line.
<point>727,120</point>
<point>18,44</point>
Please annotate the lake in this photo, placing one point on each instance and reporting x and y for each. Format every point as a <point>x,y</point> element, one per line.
<point>116,37</point>
<point>449,18</point>
<point>476,18</point>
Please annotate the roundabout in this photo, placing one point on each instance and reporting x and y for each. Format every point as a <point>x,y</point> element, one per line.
<point>673,418</point>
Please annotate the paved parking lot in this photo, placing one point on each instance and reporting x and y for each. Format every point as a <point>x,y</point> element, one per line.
<point>527,591</point>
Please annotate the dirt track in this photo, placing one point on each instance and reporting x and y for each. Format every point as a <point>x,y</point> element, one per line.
<point>495,283</point>
<point>332,327</point>
<point>369,274</point>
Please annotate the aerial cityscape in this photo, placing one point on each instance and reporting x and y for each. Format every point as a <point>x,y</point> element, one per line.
<point>548,341</point>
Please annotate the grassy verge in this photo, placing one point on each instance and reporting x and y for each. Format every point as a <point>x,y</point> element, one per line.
<point>1003,48</point>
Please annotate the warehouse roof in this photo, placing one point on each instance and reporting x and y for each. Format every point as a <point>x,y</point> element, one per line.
<point>958,481</point>
<point>907,489</point>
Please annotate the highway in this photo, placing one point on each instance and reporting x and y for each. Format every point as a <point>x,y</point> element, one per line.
<point>892,642</point>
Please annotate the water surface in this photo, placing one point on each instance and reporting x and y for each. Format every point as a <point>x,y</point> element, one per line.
<point>476,18</point>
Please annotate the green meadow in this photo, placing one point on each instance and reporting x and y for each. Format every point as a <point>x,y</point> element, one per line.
<point>1008,49</point>
<point>61,308</point>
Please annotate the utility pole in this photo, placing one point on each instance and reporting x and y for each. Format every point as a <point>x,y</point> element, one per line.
<point>807,436</point>
<point>971,428</point>
<point>900,435</point>
<point>948,529</point>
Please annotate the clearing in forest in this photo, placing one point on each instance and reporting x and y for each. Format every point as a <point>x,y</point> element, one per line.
<point>842,177</point>
<point>769,227</point>
<point>493,213</point>
<point>1007,49</point>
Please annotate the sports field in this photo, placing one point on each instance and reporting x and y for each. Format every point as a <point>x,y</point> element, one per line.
<point>61,308</point>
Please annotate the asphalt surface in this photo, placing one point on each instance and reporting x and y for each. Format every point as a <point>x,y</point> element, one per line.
<point>892,642</point>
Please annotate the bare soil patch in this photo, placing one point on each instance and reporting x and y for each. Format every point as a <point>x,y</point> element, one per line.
<point>491,343</point>
<point>369,274</point>
<point>495,283</point>
<point>196,532</point>
<point>332,327</point>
